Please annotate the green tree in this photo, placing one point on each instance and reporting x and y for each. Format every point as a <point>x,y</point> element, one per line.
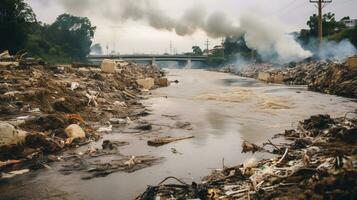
<point>197,51</point>
<point>16,17</point>
<point>234,46</point>
<point>96,49</point>
<point>329,24</point>
<point>350,34</point>
<point>73,34</point>
<point>216,56</point>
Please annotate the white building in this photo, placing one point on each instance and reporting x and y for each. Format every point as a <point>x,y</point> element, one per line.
<point>350,23</point>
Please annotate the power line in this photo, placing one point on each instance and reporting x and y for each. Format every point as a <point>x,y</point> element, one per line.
<point>343,3</point>
<point>284,7</point>
<point>291,6</point>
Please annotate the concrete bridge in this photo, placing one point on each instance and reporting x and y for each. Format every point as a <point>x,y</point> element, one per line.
<point>151,58</point>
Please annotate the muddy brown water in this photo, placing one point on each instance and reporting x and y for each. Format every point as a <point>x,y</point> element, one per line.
<point>223,110</point>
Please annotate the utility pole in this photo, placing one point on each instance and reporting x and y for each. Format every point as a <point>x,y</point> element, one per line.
<point>320,4</point>
<point>171,47</point>
<point>114,47</point>
<point>207,45</point>
<point>222,44</point>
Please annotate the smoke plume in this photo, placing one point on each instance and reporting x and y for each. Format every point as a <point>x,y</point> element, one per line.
<point>267,37</point>
<point>337,50</point>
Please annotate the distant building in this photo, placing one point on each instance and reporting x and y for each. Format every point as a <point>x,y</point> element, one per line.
<point>216,49</point>
<point>350,23</point>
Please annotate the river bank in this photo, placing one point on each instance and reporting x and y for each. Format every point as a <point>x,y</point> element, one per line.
<point>326,76</point>
<point>222,110</point>
<point>47,110</point>
<point>317,162</point>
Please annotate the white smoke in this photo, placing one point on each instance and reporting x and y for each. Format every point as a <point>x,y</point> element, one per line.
<point>337,50</point>
<point>240,62</point>
<point>267,37</point>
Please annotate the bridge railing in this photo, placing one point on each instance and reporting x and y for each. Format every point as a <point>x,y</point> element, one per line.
<point>148,56</point>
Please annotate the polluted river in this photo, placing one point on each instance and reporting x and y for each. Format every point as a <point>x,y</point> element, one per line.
<point>219,110</point>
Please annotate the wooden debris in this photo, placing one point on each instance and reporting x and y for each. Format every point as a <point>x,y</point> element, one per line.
<point>166,139</point>
<point>250,147</point>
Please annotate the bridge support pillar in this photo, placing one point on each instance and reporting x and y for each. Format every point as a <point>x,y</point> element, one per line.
<point>188,63</point>
<point>153,61</point>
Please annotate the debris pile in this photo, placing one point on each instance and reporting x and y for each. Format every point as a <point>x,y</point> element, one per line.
<point>102,162</point>
<point>318,161</point>
<point>46,108</point>
<point>337,79</point>
<point>321,76</point>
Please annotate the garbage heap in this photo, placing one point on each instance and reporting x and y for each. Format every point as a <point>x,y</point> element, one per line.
<point>318,161</point>
<point>44,109</point>
<point>320,76</point>
<point>338,79</point>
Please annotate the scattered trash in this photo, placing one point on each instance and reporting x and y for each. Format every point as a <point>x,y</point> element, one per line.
<point>9,162</point>
<point>9,135</point>
<point>108,66</point>
<point>181,190</point>
<point>183,125</point>
<point>163,82</point>
<point>107,144</point>
<point>250,147</point>
<point>51,108</point>
<point>44,143</point>
<point>94,166</point>
<point>322,168</point>
<point>107,129</point>
<point>5,54</point>
<point>92,99</point>
<point>166,139</point>
<point>146,83</point>
<point>174,151</point>
<point>120,104</point>
<point>74,85</point>
<point>144,127</point>
<point>14,173</point>
<point>75,131</point>
<point>352,62</point>
<point>7,64</point>
<point>117,121</point>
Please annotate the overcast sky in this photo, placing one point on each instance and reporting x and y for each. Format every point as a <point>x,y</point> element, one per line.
<point>138,37</point>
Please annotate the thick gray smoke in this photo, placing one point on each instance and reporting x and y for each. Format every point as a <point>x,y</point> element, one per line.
<point>270,39</point>
<point>337,50</point>
<point>267,37</point>
<point>215,25</point>
<point>331,49</point>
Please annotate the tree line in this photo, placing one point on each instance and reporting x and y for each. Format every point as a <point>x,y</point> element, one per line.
<point>67,39</point>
